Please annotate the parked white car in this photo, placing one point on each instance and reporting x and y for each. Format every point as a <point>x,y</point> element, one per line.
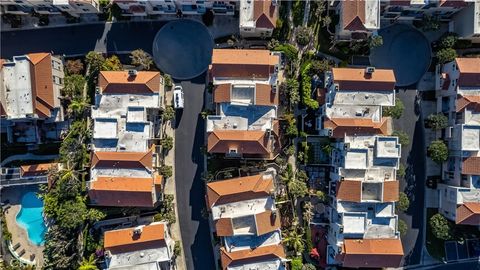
<point>178,100</point>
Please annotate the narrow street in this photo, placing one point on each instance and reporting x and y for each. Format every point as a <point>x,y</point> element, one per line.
<point>189,139</point>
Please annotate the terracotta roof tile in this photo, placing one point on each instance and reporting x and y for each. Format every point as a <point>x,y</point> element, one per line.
<point>264,95</point>
<point>267,221</point>
<point>354,126</point>
<point>145,82</point>
<point>391,191</point>
<point>353,15</point>
<point>243,63</point>
<point>224,227</point>
<point>36,169</point>
<point>471,165</point>
<point>123,159</point>
<point>41,75</point>
<point>245,256</point>
<point>245,142</point>
<point>470,102</point>
<point>357,79</point>
<point>469,72</point>
<point>124,240</point>
<point>222,92</point>
<point>372,253</point>
<point>468,214</point>
<point>452,3</point>
<point>265,14</point>
<point>349,190</point>
<point>239,189</point>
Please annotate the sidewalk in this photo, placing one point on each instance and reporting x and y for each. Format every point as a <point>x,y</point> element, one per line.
<point>170,186</point>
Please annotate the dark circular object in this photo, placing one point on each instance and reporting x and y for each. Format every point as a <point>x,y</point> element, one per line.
<point>405,50</point>
<point>183,49</point>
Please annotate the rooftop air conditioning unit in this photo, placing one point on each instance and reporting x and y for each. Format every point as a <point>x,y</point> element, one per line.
<point>132,72</point>
<point>346,146</point>
<point>336,87</point>
<point>369,70</point>
<point>138,230</point>
<point>274,89</point>
<point>97,90</point>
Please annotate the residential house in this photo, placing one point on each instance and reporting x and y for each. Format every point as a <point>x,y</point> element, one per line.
<point>244,215</point>
<point>126,126</point>
<point>156,7</point>
<point>30,97</point>
<point>16,7</point>
<point>76,8</point>
<point>258,18</point>
<point>192,7</point>
<point>142,247</point>
<point>358,19</point>
<point>458,92</point>
<point>407,11</point>
<point>466,22</point>
<point>353,102</point>
<point>135,8</point>
<point>245,94</point>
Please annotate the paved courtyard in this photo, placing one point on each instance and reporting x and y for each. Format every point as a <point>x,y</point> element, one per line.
<point>405,50</point>
<point>183,49</point>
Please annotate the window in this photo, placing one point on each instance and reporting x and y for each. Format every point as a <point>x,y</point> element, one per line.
<point>57,80</point>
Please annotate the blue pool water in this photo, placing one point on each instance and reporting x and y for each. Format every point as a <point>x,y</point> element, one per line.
<point>31,218</point>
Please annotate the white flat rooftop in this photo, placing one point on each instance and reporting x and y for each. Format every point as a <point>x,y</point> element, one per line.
<point>350,111</point>
<point>17,87</point>
<point>238,117</point>
<point>242,208</point>
<point>354,223</point>
<point>387,147</point>
<point>119,172</point>
<point>356,159</point>
<point>246,13</point>
<point>272,264</point>
<point>142,259</point>
<point>241,242</point>
<point>136,115</point>
<point>470,138</point>
<point>372,14</point>
<point>383,98</point>
<point>104,128</point>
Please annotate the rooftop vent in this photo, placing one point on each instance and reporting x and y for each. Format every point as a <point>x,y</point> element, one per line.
<point>138,230</point>
<point>370,70</point>
<point>132,72</point>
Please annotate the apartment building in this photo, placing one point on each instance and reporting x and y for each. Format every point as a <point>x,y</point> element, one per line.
<point>74,8</point>
<point>466,22</point>
<point>77,8</point>
<point>142,247</point>
<point>353,102</point>
<point>244,215</point>
<point>246,98</point>
<point>126,126</point>
<point>258,18</point>
<point>358,19</point>
<point>30,97</point>
<point>458,97</point>
<point>410,10</point>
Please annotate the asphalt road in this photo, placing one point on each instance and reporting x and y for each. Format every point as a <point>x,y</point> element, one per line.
<point>413,184</point>
<point>80,39</point>
<point>190,188</point>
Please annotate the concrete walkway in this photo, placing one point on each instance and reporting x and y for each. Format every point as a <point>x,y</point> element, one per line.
<point>28,156</point>
<point>170,185</point>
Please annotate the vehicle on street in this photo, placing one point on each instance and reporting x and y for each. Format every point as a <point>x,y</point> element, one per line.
<point>178,97</point>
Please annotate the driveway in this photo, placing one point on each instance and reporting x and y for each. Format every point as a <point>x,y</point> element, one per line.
<point>405,50</point>
<point>190,188</point>
<point>183,49</point>
<point>413,184</point>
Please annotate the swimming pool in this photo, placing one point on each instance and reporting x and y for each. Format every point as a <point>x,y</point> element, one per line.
<point>30,218</point>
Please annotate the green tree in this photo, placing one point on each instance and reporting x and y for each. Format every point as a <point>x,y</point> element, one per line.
<point>320,66</point>
<point>95,60</point>
<point>297,188</point>
<point>292,87</point>
<point>309,266</point>
<point>73,86</point>
<point>166,171</point>
<point>303,36</point>
<point>289,50</point>
<point>375,41</point>
<point>166,143</point>
<point>402,227</point>
<point>403,202</point>
<point>440,227</point>
<point>394,111</point>
<point>446,55</point>
<point>296,264</point>
<point>77,107</point>
<point>168,80</point>
<point>168,114</point>
<point>307,88</point>
<point>307,213</point>
<point>322,196</point>
<point>141,59</point>
<point>89,264</point>
<point>112,64</point>
<point>401,171</point>
<point>437,121</point>
<point>448,41</point>
<point>430,23</point>
<point>292,130</point>
<point>74,67</point>
<point>294,240</point>
<point>177,249</point>
<point>402,137</point>
<point>438,151</point>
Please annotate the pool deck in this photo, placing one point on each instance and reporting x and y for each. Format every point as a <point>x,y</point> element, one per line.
<point>19,235</point>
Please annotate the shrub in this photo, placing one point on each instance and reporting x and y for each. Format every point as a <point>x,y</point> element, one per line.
<point>141,59</point>
<point>168,114</point>
<point>177,249</point>
<point>308,238</point>
<point>321,195</point>
<point>403,202</point>
<point>309,266</point>
<point>168,80</point>
<point>296,264</point>
<point>74,67</point>
<point>402,227</point>
<point>375,41</point>
<point>446,55</point>
<point>319,66</point>
<point>437,121</point>
<point>112,64</point>
<point>401,171</point>
<point>402,137</point>
<point>292,130</point>
<point>440,227</point>
<point>448,41</point>
<point>166,143</point>
<point>438,151</point>
<point>303,36</point>
<point>289,50</point>
<point>307,89</point>
<point>292,89</point>
<point>394,111</point>
<point>166,171</point>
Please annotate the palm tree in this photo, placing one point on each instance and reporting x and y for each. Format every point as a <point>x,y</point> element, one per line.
<point>307,212</point>
<point>294,240</point>
<point>77,107</point>
<point>89,264</point>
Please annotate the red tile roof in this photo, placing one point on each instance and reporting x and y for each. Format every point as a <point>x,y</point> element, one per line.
<point>353,126</point>
<point>349,190</point>
<point>265,14</point>
<point>245,256</point>
<point>468,214</point>
<point>239,189</point>
<point>357,79</point>
<point>469,72</point>
<point>122,159</point>
<point>125,240</point>
<point>122,192</point>
<point>391,191</point>
<point>471,165</point>
<point>470,102</point>
<point>36,169</point>
<point>452,3</point>
<point>372,253</point>
<point>264,96</point>
<point>42,84</point>
<point>353,15</point>
<point>119,82</point>
<point>243,63</point>
<point>245,142</point>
